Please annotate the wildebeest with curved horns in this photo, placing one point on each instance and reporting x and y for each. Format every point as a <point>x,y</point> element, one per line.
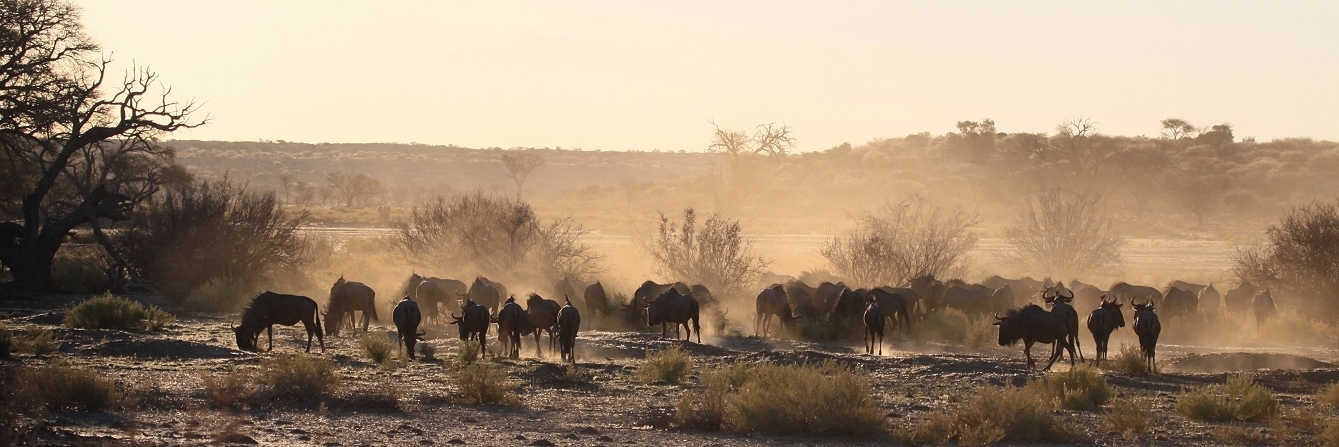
<point>407,318</point>
<point>569,322</point>
<point>649,290</point>
<point>565,288</point>
<point>1150,294</point>
<point>1102,321</point>
<point>510,323</point>
<point>473,324</point>
<point>1263,305</point>
<point>874,319</point>
<point>1032,324</point>
<point>771,302</point>
<point>677,308</point>
<point>1059,298</point>
<point>347,297</point>
<point>487,293</point>
<point>1210,299</point>
<point>541,314</point>
<point>269,309</point>
<point>1147,327</point>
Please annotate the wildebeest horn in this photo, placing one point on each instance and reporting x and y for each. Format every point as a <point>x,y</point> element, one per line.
<point>997,317</point>
<point>453,315</point>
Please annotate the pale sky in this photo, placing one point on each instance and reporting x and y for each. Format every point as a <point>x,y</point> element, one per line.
<point>619,75</point>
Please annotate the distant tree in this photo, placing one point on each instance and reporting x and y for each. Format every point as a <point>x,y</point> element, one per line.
<point>286,181</point>
<point>519,166</point>
<point>716,254</point>
<point>747,161</point>
<point>1065,234</point>
<point>974,142</point>
<point>901,241</point>
<point>75,149</point>
<point>1176,129</point>
<point>354,188</point>
<point>1300,258</point>
<point>306,193</point>
<point>1199,188</point>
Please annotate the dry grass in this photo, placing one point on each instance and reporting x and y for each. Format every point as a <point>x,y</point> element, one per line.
<point>468,352</point>
<point>62,387</point>
<point>1130,417</point>
<point>1129,360</point>
<point>1329,396</point>
<point>482,383</point>
<point>228,390</point>
<point>112,312</point>
<point>826,399</point>
<point>954,327</point>
<point>376,347</point>
<point>426,351</point>
<point>1240,399</point>
<point>219,295</point>
<point>298,377</point>
<point>1011,414</point>
<point>1080,388</point>
<point>937,428</point>
<point>1330,435</point>
<point>1237,434</point>
<point>665,366</point>
<point>37,342</point>
<point>382,396</point>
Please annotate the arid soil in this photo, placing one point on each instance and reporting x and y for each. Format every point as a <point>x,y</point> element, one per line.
<point>609,407</point>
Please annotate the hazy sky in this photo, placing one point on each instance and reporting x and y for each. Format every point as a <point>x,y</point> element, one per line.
<point>624,74</point>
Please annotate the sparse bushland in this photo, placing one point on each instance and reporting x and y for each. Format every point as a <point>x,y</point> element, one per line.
<point>112,312</point>
<point>667,365</point>
<point>1130,416</point>
<point>298,377</point>
<point>715,254</point>
<point>376,347</point>
<point>1129,360</point>
<point>80,269</point>
<point>900,241</point>
<point>1080,388</point>
<point>62,387</point>
<point>1240,399</point>
<point>482,383</point>
<point>954,327</point>
<point>827,399</point>
<point>229,390</point>
<point>1065,234</point>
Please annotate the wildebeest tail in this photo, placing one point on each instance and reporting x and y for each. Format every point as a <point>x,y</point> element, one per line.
<point>316,317</point>
<point>374,306</point>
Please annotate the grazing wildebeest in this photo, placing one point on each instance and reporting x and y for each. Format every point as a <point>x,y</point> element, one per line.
<point>1023,288</point>
<point>511,322</point>
<point>436,300</point>
<point>596,300</point>
<point>804,300</point>
<point>569,321</point>
<point>1102,321</point>
<point>1150,294</point>
<point>930,292</point>
<point>874,320</point>
<point>971,299</point>
<point>1086,296</point>
<point>1210,299</point>
<point>269,309</point>
<point>1180,302</point>
<point>541,314</point>
<point>473,324</point>
<point>771,302</point>
<point>1238,300</point>
<point>677,308</point>
<point>1147,327</point>
<point>1059,298</point>
<point>713,310</point>
<point>565,290</point>
<point>649,290</point>
<point>1032,324</point>
<point>347,297</point>
<point>893,306</point>
<point>828,294</point>
<point>1263,305</point>
<point>847,311</point>
<point>407,317</point>
<point>487,294</point>
<point>1194,288</point>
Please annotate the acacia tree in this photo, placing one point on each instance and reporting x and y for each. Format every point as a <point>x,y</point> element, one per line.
<point>747,161</point>
<point>519,166</point>
<point>1066,234</point>
<point>78,154</point>
<point>354,188</point>
<point>715,255</point>
<point>901,241</point>
<point>1301,257</point>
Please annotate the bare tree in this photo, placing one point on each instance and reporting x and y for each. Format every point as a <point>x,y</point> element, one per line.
<point>286,181</point>
<point>1066,234</point>
<point>306,193</point>
<point>354,188</point>
<point>901,241</point>
<point>1301,257</point>
<point>66,134</point>
<point>716,255</point>
<point>747,161</point>
<point>519,166</point>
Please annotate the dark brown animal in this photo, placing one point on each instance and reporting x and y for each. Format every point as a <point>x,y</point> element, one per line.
<point>1102,322</point>
<point>874,320</point>
<point>1180,302</point>
<point>1059,298</point>
<point>893,306</point>
<point>597,302</point>
<point>1238,300</point>
<point>269,309</point>
<point>771,302</point>
<point>674,307</point>
<point>563,289</point>
<point>1032,324</point>
<point>1147,327</point>
<point>347,297</point>
<point>473,324</point>
<point>930,292</point>
<point>407,317</point>
<point>569,322</point>
<point>1263,305</point>
<point>542,315</point>
<point>649,290</point>
<point>1210,300</point>
<point>511,322</point>
<point>487,294</point>
<point>804,300</point>
<point>437,297</point>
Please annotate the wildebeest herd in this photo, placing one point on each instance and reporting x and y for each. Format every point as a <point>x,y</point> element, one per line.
<point>485,303</point>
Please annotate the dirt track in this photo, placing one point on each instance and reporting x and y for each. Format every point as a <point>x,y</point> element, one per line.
<point>613,408</point>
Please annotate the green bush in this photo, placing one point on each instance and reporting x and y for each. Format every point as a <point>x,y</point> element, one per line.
<point>376,346</point>
<point>483,383</point>
<point>1130,417</point>
<point>1128,360</point>
<point>298,377</point>
<point>1080,388</point>
<point>62,387</point>
<point>818,400</point>
<point>219,295</point>
<point>667,365</point>
<point>111,312</point>
<point>1240,399</point>
<point>468,352</point>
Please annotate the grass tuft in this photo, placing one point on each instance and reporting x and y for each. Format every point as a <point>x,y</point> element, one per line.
<point>1130,417</point>
<point>469,352</point>
<point>108,311</point>
<point>826,399</point>
<point>937,428</point>
<point>376,346</point>
<point>1129,360</point>
<point>1240,399</point>
<point>483,383</point>
<point>62,387</point>
<point>1329,396</point>
<point>426,351</point>
<point>228,390</point>
<point>1015,414</point>
<point>298,377</point>
<point>1080,388</point>
<point>1237,434</point>
<point>667,365</point>
<point>38,342</point>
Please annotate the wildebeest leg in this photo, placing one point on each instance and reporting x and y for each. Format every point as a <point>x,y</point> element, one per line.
<point>1070,347</point>
<point>270,328</point>
<point>538,347</point>
<point>1027,352</point>
<point>1056,350</point>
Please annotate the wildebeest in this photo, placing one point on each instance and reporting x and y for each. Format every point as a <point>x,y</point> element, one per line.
<point>1086,296</point>
<point>1238,300</point>
<point>436,297</point>
<point>1147,327</point>
<point>269,309</point>
<point>649,290</point>
<point>1032,324</point>
<point>714,311</point>
<point>930,292</point>
<point>487,294</point>
<point>771,302</point>
<point>347,297</point>
<point>511,322</point>
<point>894,306</point>
<point>569,321</point>
<point>1102,321</point>
<point>1059,298</point>
<point>677,308</point>
<point>1179,302</point>
<point>1150,294</point>
<point>1210,299</point>
<point>828,294</point>
<point>407,318</point>
<point>1194,288</point>
<point>847,311</point>
<point>874,320</point>
<point>971,299</point>
<point>564,289</point>
<point>804,300</point>
<point>597,302</point>
<point>473,324</point>
<point>1023,288</point>
<point>1263,305</point>
<point>541,314</point>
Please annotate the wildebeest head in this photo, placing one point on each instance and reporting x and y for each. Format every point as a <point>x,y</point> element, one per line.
<point>1057,293</point>
<point>1011,327</point>
<point>1113,307</point>
<point>245,340</point>
<point>1142,307</point>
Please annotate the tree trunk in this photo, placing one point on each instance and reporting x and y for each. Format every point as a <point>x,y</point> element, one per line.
<point>29,250</point>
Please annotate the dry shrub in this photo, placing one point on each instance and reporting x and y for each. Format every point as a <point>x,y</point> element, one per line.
<point>1129,360</point>
<point>468,352</point>
<point>1291,328</point>
<point>80,270</point>
<point>1080,388</point>
<point>383,395</point>
<point>1237,434</point>
<point>112,312</point>
<point>900,241</point>
<point>1130,417</point>
<point>716,254</point>
<point>1240,399</point>
<point>1329,395</point>
<point>298,377</point>
<point>376,346</point>
<point>63,387</point>
<point>1295,421</point>
<point>228,390</point>
<point>1065,233</point>
<point>1330,435</point>
<point>937,428</point>
<point>38,342</point>
<point>219,295</point>
<point>827,399</point>
<point>426,351</point>
<point>954,327</point>
<point>483,383</point>
<point>666,365</point>
<point>1014,415</point>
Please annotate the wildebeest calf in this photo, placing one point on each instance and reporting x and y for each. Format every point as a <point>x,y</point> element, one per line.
<point>407,318</point>
<point>269,309</point>
<point>569,322</point>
